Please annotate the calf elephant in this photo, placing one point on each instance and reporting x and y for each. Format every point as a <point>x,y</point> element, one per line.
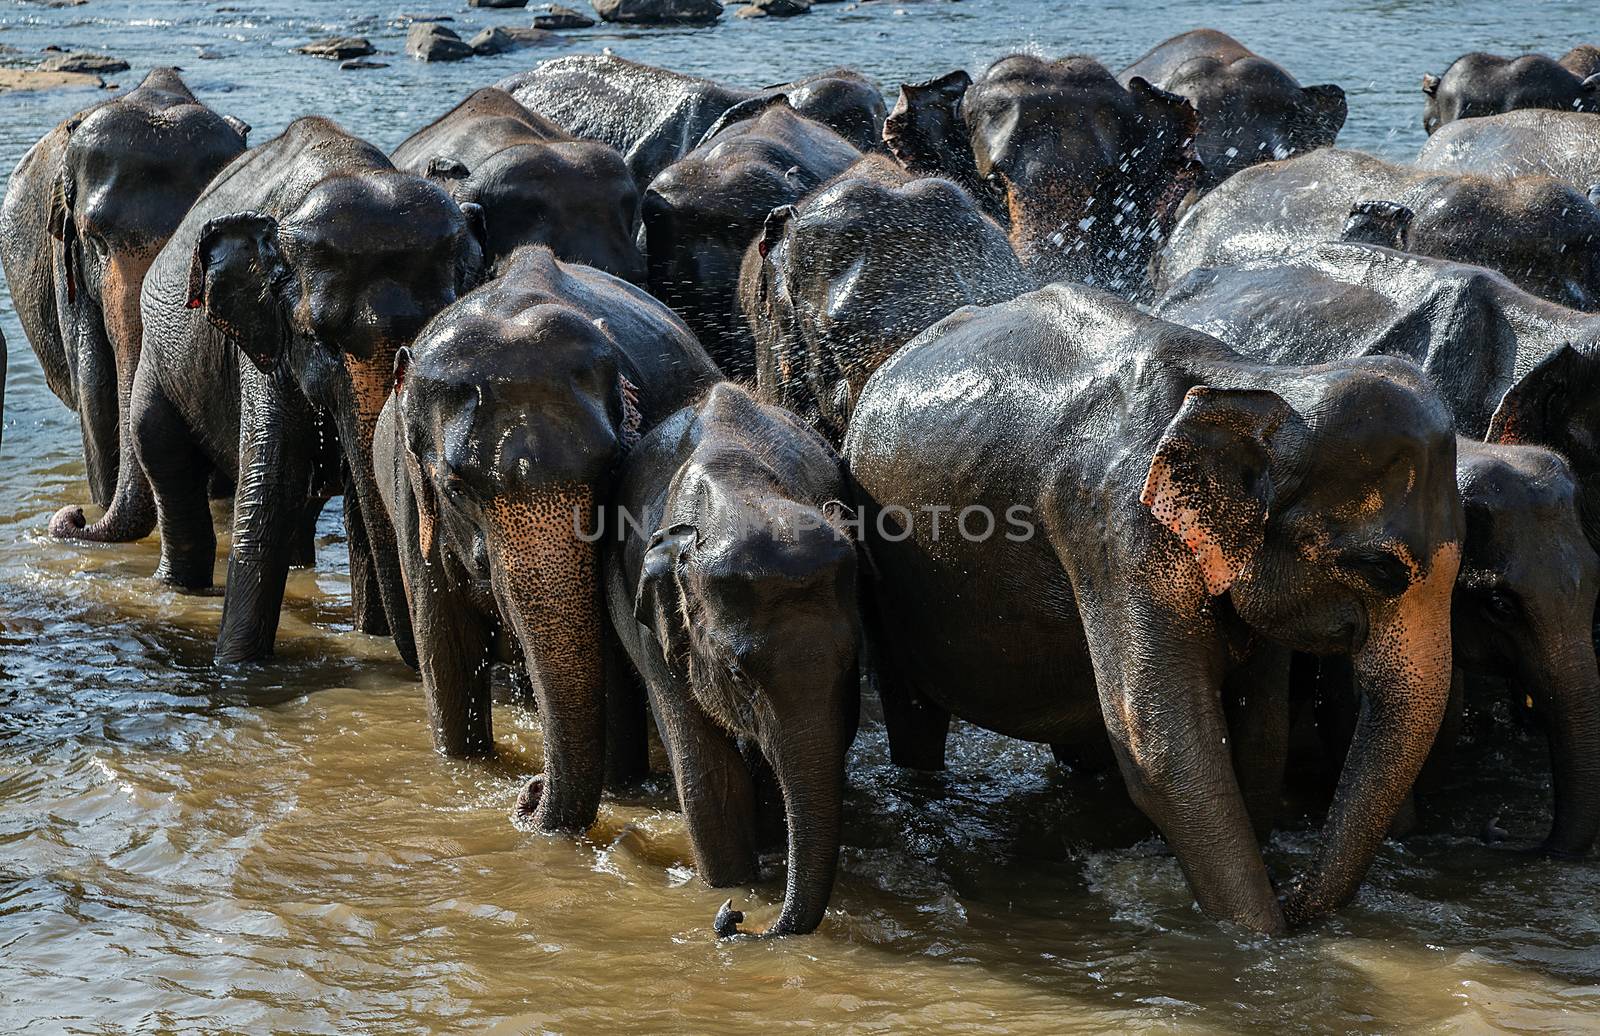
<point>655,116</point>
<point>703,211</point>
<point>1091,172</point>
<point>1511,367</point>
<point>835,284</point>
<point>537,184</point>
<point>1153,515</point>
<point>271,320</point>
<point>497,453</point>
<point>1529,142</point>
<point>1251,109</point>
<point>1480,84</point>
<point>1536,230</point>
<point>733,590</point>
<point>85,213</point>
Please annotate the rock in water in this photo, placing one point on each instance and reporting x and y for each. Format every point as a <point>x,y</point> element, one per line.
<point>774,9</point>
<point>359,63</point>
<point>497,3</point>
<point>430,41</point>
<point>338,48</point>
<point>658,12</point>
<point>88,64</point>
<point>558,17</point>
<point>32,79</point>
<point>500,39</point>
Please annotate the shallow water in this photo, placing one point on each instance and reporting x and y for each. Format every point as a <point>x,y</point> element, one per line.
<point>188,849</point>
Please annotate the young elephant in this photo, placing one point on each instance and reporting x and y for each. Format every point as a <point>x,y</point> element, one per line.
<point>1536,230</point>
<point>1480,84</point>
<point>834,285</point>
<point>497,453</point>
<point>1091,171</point>
<point>85,213</point>
<point>537,184</point>
<point>738,607</point>
<point>271,321</point>
<point>1251,109</point>
<point>1529,142</point>
<point>1151,515</point>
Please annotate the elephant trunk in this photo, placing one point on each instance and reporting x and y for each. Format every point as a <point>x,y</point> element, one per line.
<point>1566,683</point>
<point>1403,670</point>
<point>377,559</point>
<point>809,766</point>
<point>110,334</point>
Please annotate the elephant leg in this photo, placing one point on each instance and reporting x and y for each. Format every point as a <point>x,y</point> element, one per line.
<point>771,831</point>
<point>1255,699</point>
<point>304,552</point>
<point>917,728</point>
<point>627,735</point>
<point>715,791</point>
<point>179,474</point>
<point>365,596</point>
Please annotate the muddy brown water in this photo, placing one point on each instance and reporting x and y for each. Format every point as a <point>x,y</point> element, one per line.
<point>277,849</point>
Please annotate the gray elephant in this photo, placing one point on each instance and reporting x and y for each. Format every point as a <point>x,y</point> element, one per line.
<point>1251,109</point>
<point>498,452</point>
<point>85,213</point>
<point>733,588</point>
<point>1536,230</point>
<point>835,284</point>
<point>1479,84</point>
<point>537,184</point>
<point>1529,142</point>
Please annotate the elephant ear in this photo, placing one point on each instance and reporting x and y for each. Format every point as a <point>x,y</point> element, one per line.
<point>922,130</point>
<point>443,167</point>
<point>1172,127</point>
<point>1211,480</point>
<point>64,228</point>
<point>1590,88</point>
<point>1430,84</point>
<point>1329,108</point>
<point>1386,223</point>
<point>772,229</point>
<point>1545,403</point>
<point>744,111</point>
<point>238,276</point>
<point>657,599</point>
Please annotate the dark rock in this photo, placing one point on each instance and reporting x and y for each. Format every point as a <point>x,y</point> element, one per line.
<point>33,79</point>
<point>497,3</point>
<point>558,17</point>
<point>429,41</point>
<point>400,21</point>
<point>658,12</point>
<point>88,64</point>
<point>503,38</point>
<point>338,48</point>
<point>357,63</point>
<point>774,9</point>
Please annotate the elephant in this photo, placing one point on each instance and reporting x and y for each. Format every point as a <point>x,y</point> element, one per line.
<point>498,452</point>
<point>537,184</point>
<point>1511,367</point>
<point>655,116</point>
<point>702,212</point>
<point>85,213</point>
<point>1527,142</point>
<point>1536,230</point>
<point>1156,519</point>
<point>1091,172</point>
<point>271,320</point>
<point>1479,84</point>
<point>927,134</point>
<point>733,591</point>
<point>1251,109</point>
<point>836,283</point>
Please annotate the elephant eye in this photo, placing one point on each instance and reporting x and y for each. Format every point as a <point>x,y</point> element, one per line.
<point>1499,604</point>
<point>1378,569</point>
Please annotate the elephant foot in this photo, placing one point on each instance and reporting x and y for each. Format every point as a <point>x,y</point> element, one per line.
<point>528,800</point>
<point>728,921</point>
<point>66,523</point>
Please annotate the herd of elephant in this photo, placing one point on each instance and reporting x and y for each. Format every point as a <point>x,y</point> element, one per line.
<point>650,394</point>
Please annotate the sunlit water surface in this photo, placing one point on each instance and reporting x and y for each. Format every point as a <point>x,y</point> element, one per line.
<point>278,848</point>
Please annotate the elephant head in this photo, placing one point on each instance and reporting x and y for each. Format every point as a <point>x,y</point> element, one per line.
<point>752,598</point>
<point>1092,173</point>
<point>1479,84</point>
<point>325,296</point>
<point>1524,610</point>
<point>1334,528</point>
<point>926,132</point>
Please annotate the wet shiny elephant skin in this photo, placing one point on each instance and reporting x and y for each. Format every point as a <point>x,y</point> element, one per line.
<point>1187,513</point>
<point>1511,367</point>
<point>703,211</point>
<point>1530,142</point>
<point>537,184</point>
<point>85,213</point>
<point>838,282</point>
<point>271,320</point>
<point>1251,109</point>
<point>655,116</point>
<point>1480,84</point>
<point>497,454</point>
<point>735,596</point>
<point>1538,231</point>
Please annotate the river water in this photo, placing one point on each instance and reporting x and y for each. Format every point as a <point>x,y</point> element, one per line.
<point>277,848</point>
